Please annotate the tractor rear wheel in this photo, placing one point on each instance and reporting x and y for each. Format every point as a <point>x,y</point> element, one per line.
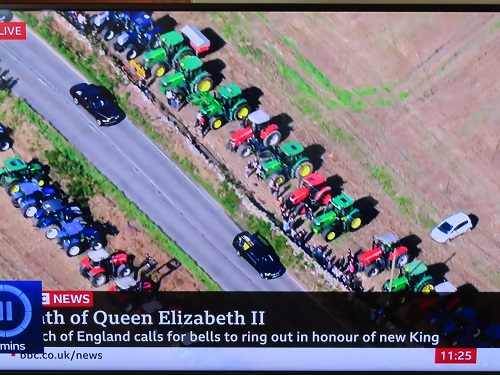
<point>124,270</point>
<point>29,211</point>
<point>354,221</point>
<point>277,178</point>
<point>244,150</point>
<point>303,169</point>
<point>216,122</point>
<point>330,233</point>
<point>131,53</point>
<point>73,251</point>
<point>12,187</point>
<point>402,259</point>
<point>372,270</point>
<point>179,57</point>
<point>272,139</point>
<point>108,34</point>
<point>98,244</point>
<point>52,231</point>
<point>241,112</point>
<point>5,145</point>
<point>203,83</point>
<point>98,280</point>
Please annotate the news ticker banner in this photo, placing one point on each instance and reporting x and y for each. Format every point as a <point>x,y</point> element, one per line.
<point>31,320</point>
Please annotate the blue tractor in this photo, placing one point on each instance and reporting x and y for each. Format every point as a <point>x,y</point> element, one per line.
<point>31,195</point>
<point>53,213</point>
<point>461,323</point>
<point>77,237</point>
<point>140,35</point>
<point>108,24</point>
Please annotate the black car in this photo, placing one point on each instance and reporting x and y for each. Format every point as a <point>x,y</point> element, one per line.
<point>257,251</point>
<point>99,102</point>
<point>5,140</point>
<point>6,15</point>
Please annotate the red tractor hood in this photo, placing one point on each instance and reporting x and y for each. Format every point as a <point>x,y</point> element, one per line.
<point>299,196</point>
<point>86,262</point>
<point>241,135</point>
<point>369,256</point>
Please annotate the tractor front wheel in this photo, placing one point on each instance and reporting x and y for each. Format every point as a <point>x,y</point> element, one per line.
<point>29,211</point>
<point>244,150</point>
<point>426,288</point>
<point>330,233</point>
<point>216,122</point>
<point>98,280</point>
<point>73,251</point>
<point>303,169</point>
<point>12,187</point>
<point>241,112</point>
<point>278,179</point>
<point>83,271</point>
<point>124,270</point>
<point>108,35</point>
<point>131,53</point>
<point>52,231</point>
<point>372,270</point>
<point>160,70</point>
<point>272,139</point>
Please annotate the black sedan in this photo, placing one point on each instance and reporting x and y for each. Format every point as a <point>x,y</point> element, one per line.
<point>99,102</point>
<point>257,251</point>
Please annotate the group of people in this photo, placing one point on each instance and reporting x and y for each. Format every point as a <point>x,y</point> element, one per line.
<point>254,167</point>
<point>344,269</point>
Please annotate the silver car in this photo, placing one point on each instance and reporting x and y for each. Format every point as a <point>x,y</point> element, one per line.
<point>451,227</point>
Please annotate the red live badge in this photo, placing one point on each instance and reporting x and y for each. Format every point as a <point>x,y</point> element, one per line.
<point>12,31</point>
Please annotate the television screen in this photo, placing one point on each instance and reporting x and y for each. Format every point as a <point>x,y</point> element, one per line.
<point>210,189</point>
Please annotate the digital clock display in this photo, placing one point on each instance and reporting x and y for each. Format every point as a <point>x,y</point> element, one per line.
<point>456,355</point>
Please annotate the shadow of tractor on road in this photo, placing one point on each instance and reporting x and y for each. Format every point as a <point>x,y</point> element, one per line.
<point>412,243</point>
<point>166,23</point>
<point>283,121</point>
<point>252,95</point>
<point>367,205</point>
<point>216,41</point>
<point>438,270</point>
<point>215,68</point>
<point>315,154</point>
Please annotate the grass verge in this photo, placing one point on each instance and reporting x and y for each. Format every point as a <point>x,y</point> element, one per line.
<point>87,181</point>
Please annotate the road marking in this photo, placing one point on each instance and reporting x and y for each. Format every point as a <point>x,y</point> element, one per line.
<point>41,80</point>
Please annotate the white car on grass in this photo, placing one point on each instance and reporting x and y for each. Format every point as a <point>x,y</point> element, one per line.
<point>451,227</point>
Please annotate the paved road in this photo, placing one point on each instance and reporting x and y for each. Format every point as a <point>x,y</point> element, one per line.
<point>187,214</point>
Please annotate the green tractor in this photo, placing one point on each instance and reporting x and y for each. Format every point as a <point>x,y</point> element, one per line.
<point>190,78</point>
<point>226,105</point>
<point>175,46</point>
<point>284,163</point>
<point>15,170</point>
<point>413,278</point>
<point>340,216</point>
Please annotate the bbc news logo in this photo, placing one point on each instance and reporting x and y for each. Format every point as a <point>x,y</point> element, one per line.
<point>21,320</point>
<point>12,31</point>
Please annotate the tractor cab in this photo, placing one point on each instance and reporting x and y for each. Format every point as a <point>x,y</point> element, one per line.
<point>313,189</point>
<point>51,206</point>
<point>13,165</point>
<point>198,42</point>
<point>26,189</point>
<point>228,95</point>
<point>141,22</point>
<point>341,204</point>
<point>256,120</point>
<point>72,229</point>
<point>96,257</point>
<point>171,40</point>
<point>189,78</point>
<point>386,242</point>
<point>291,152</point>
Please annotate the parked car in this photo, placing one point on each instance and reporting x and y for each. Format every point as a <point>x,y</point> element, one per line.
<point>451,227</point>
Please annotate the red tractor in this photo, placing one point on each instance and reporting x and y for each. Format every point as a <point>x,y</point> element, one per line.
<point>99,266</point>
<point>385,248</point>
<point>314,192</point>
<point>257,134</point>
